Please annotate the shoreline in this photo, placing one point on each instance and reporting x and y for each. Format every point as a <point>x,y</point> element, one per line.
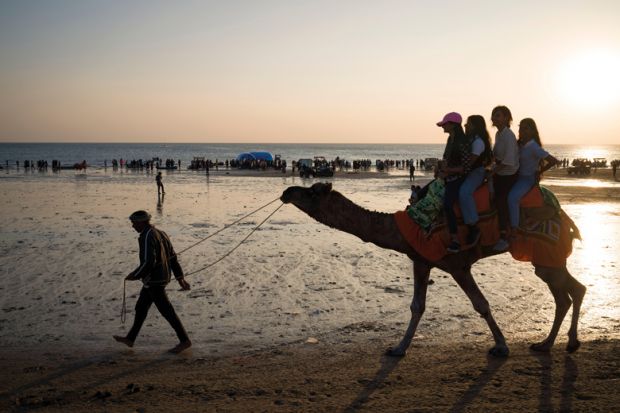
<point>555,173</point>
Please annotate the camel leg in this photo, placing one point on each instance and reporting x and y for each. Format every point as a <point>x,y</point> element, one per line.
<point>466,281</point>
<point>576,290</point>
<point>563,288</point>
<point>421,273</point>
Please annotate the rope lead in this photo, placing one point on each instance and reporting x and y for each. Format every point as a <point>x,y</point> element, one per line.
<point>227,226</point>
<point>238,245</point>
<point>124,306</point>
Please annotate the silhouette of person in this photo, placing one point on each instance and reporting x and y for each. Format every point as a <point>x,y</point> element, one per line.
<point>157,261</point>
<point>160,185</point>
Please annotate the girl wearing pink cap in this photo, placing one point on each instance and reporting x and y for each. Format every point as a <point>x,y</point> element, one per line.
<point>453,171</point>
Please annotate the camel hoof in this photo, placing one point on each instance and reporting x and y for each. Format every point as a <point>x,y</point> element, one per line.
<point>392,352</point>
<point>499,351</point>
<point>541,347</point>
<point>572,347</point>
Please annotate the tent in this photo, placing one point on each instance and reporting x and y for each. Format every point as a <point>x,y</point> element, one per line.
<point>258,156</point>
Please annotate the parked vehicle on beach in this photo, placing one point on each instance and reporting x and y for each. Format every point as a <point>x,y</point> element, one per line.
<point>580,167</point>
<point>317,167</point>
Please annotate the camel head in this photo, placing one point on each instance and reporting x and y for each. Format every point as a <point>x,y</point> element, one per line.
<point>306,199</point>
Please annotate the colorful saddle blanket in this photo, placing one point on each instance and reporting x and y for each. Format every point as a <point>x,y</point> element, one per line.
<point>544,242</point>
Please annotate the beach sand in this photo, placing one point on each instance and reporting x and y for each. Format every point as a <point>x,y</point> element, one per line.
<point>297,318</point>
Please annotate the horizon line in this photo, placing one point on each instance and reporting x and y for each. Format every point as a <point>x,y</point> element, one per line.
<point>268,143</point>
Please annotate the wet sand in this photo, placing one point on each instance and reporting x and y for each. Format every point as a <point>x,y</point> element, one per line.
<point>66,244</point>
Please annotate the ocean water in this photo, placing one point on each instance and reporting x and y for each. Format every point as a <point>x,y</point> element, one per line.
<point>96,153</point>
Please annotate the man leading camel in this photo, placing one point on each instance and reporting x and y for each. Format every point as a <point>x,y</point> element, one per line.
<point>157,261</point>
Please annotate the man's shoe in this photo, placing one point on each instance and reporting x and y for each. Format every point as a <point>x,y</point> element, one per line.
<point>501,246</point>
<point>123,340</point>
<point>184,345</point>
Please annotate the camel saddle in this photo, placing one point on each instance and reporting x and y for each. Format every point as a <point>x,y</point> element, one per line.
<point>544,237</point>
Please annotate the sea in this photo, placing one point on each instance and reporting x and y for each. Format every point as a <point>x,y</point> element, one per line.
<point>99,154</point>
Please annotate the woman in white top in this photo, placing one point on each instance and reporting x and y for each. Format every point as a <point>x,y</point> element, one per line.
<point>480,157</point>
<point>506,153</point>
<point>533,161</point>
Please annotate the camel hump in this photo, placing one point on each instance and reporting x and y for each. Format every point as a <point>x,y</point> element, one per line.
<point>321,188</point>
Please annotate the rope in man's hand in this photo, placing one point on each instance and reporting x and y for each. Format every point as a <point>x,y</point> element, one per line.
<point>124,305</point>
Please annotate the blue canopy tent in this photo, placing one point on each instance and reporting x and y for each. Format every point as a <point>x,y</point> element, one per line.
<point>255,156</point>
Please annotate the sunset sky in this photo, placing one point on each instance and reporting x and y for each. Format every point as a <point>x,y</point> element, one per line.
<point>304,71</point>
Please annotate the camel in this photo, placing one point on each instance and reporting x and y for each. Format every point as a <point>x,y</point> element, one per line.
<point>334,210</point>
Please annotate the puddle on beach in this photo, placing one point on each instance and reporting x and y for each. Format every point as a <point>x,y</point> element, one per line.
<point>596,261</point>
<point>589,183</point>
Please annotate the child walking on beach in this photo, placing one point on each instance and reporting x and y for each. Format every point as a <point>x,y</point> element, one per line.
<point>160,185</point>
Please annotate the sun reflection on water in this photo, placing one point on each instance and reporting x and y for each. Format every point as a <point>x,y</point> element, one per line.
<point>590,183</point>
<point>595,263</point>
<point>593,152</point>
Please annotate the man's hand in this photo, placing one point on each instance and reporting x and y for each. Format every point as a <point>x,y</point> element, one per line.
<point>130,277</point>
<point>184,284</point>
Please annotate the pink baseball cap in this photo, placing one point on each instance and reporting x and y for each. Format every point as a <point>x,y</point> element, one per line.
<point>450,117</point>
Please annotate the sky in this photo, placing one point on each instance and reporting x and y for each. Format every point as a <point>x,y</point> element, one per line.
<point>304,71</point>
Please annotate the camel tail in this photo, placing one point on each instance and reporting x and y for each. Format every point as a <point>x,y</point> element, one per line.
<point>574,231</point>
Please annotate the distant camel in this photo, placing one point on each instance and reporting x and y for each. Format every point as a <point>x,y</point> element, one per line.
<point>333,209</point>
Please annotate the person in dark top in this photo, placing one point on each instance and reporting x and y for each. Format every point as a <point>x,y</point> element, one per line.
<point>160,185</point>
<point>453,169</point>
<point>157,261</point>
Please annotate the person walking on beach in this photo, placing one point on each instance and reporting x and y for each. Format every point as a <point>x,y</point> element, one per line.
<point>506,152</point>
<point>157,261</point>
<point>160,185</point>
<point>411,170</point>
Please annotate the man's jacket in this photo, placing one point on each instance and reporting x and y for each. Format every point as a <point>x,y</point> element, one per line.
<point>157,258</point>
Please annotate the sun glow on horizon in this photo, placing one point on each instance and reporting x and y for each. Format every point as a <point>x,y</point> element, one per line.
<point>591,79</point>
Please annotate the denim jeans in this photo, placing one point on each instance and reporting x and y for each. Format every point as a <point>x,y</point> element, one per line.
<point>466,195</point>
<point>519,189</point>
<point>451,195</point>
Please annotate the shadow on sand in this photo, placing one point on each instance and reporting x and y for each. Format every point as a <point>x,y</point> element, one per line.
<point>474,390</point>
<point>388,364</point>
<point>544,371</point>
<point>540,367</point>
<point>69,369</point>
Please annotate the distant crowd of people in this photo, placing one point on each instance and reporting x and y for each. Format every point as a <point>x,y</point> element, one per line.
<point>577,165</point>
